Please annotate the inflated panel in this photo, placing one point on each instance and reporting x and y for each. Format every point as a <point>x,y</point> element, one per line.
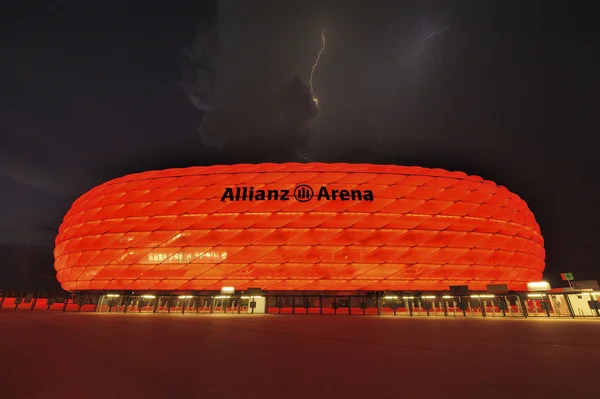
<point>298,227</point>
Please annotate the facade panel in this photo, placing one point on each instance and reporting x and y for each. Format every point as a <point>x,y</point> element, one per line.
<point>365,227</point>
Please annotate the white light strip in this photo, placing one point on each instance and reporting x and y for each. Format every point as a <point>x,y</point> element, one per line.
<point>148,296</point>
<point>538,284</point>
<point>227,290</point>
<point>112,295</point>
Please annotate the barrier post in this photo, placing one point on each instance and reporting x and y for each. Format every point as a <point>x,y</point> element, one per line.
<point>595,304</point>
<point>482,306</point>
<point>33,302</point>
<point>523,307</point>
<point>546,302</point>
<point>349,306</point>
<point>18,299</point>
<point>64,308</point>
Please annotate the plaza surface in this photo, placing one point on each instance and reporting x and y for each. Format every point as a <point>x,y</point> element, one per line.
<point>62,355</point>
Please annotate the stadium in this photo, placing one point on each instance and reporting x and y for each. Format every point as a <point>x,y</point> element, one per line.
<point>310,229</point>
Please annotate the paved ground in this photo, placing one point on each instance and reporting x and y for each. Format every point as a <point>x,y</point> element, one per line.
<point>62,355</point>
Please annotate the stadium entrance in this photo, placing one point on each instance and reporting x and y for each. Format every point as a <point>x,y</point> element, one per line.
<point>573,304</point>
<point>166,304</point>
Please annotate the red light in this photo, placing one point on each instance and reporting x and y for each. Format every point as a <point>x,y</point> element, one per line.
<point>421,229</point>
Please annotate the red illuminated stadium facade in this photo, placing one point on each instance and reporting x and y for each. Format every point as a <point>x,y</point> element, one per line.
<point>298,227</point>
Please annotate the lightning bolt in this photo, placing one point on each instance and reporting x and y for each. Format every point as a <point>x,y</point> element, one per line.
<point>429,36</point>
<point>314,67</point>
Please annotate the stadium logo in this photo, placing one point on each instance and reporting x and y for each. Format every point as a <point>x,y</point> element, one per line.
<point>301,193</point>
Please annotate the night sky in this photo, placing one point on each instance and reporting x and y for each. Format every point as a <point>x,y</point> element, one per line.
<point>507,90</point>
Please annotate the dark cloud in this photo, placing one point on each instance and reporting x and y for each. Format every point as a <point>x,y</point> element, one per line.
<point>369,81</point>
<point>274,125</point>
<point>199,74</point>
<point>248,95</point>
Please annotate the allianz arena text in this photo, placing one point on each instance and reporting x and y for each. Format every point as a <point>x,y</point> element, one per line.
<point>341,227</point>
